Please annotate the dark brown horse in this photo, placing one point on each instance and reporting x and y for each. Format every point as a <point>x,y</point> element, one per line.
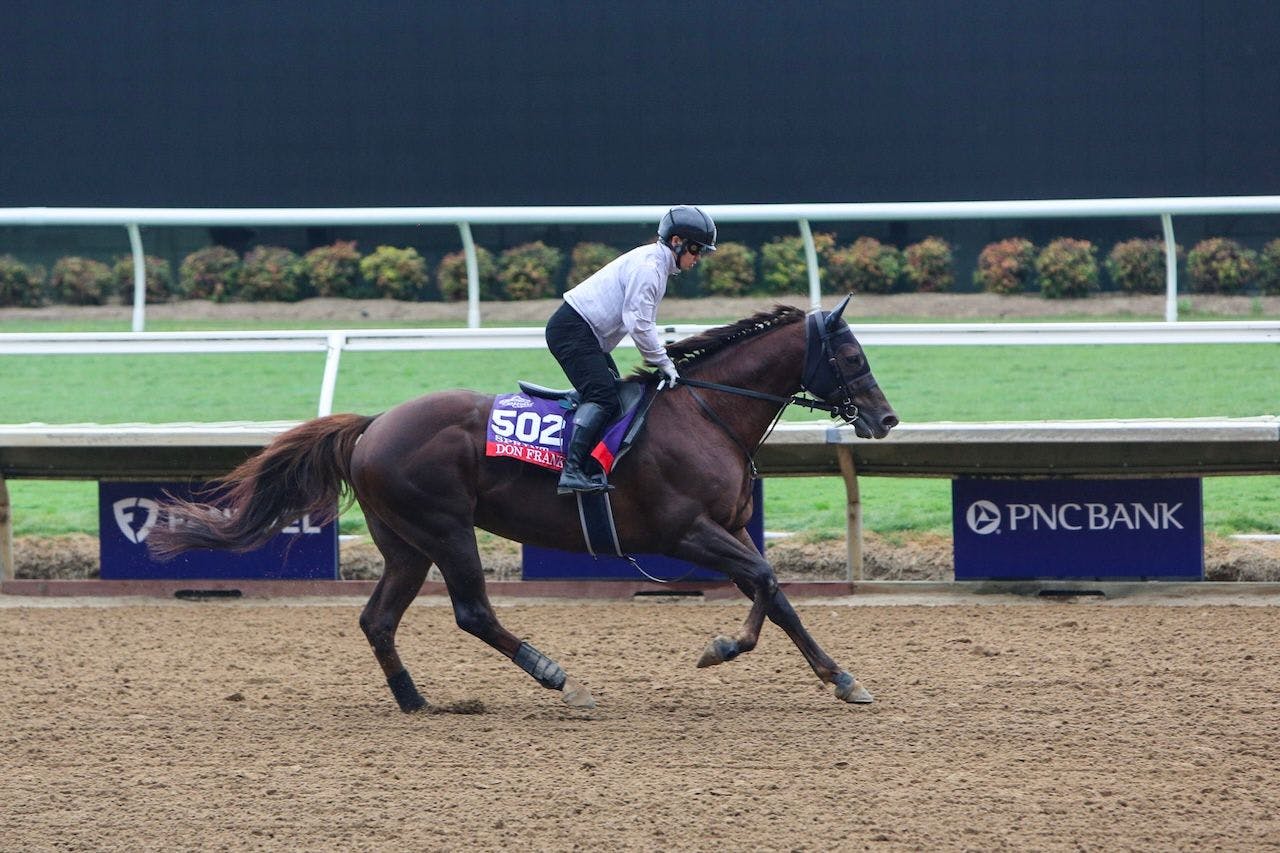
<point>420,473</point>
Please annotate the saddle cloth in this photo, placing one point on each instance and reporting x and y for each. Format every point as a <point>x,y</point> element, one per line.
<point>535,426</point>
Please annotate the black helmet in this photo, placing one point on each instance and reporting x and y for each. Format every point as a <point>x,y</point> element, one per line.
<point>691,225</point>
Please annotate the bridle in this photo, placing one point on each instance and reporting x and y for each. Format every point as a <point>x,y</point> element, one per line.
<point>833,389</point>
<point>835,383</point>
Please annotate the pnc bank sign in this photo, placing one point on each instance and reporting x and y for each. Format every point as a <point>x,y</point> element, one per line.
<point>1077,529</point>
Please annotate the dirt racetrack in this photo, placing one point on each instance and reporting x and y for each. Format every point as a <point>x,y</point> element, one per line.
<point>999,724</point>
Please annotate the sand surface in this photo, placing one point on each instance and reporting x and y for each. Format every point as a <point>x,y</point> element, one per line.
<point>261,725</point>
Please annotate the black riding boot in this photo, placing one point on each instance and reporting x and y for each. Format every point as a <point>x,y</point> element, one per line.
<point>588,423</point>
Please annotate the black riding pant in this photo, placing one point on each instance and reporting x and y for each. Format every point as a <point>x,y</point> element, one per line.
<point>591,370</point>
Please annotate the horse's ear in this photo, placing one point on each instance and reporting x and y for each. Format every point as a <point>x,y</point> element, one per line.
<point>834,317</point>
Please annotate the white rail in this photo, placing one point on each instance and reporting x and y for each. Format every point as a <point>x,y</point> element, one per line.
<point>802,214</point>
<point>1162,447</point>
<point>334,342</point>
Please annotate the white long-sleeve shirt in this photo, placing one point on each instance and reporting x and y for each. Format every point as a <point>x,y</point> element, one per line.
<point>622,299</point>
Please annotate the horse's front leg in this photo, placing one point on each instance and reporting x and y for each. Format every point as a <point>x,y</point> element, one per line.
<point>724,648</point>
<point>734,554</point>
<point>848,688</point>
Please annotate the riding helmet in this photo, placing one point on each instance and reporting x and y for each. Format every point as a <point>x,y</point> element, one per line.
<point>690,224</point>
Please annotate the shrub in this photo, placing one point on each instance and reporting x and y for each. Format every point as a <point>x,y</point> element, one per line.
<point>927,265</point>
<point>728,271</point>
<point>529,271</point>
<point>20,285</point>
<point>1220,265</point>
<point>1269,268</point>
<point>270,274</point>
<point>782,263</point>
<point>333,270</point>
<point>587,258</point>
<point>395,273</point>
<point>1068,269</point>
<point>452,275</point>
<point>209,273</point>
<point>156,272</point>
<point>868,266</point>
<point>1137,266</point>
<point>79,281</point>
<point>1006,267</point>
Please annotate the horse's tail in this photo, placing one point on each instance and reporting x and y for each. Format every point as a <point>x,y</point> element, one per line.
<point>306,470</point>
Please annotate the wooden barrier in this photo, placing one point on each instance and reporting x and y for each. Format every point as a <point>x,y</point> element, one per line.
<point>1146,448</point>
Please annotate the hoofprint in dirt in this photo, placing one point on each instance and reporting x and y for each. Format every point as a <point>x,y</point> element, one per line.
<point>920,556</point>
<point>1035,726</point>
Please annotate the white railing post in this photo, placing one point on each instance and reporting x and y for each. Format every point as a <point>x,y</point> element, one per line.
<point>811,261</point>
<point>1170,270</point>
<point>139,278</point>
<point>333,354</point>
<point>473,276</point>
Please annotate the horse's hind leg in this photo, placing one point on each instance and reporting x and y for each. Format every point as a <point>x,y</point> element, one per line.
<point>402,576</point>
<point>459,562</point>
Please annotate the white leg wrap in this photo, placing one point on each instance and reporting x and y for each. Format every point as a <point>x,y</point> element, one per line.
<point>544,670</point>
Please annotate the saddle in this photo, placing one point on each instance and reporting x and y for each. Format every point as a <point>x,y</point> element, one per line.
<point>634,399</point>
<point>595,513</point>
<point>629,394</point>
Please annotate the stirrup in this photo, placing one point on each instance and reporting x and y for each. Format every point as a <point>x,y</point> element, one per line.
<point>594,483</point>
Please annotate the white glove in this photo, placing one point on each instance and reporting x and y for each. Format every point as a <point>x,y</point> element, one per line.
<point>669,370</point>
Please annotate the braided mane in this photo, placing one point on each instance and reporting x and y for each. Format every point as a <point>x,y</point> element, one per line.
<point>693,350</point>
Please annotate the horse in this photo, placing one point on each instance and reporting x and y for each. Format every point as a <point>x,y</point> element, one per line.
<point>420,474</point>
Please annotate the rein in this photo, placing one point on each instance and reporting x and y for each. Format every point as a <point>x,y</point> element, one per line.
<point>820,330</point>
<point>711,415</point>
<point>808,402</point>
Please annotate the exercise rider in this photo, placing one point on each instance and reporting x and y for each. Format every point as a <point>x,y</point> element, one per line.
<point>620,299</point>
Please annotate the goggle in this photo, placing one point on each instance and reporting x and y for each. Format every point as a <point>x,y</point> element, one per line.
<point>694,249</point>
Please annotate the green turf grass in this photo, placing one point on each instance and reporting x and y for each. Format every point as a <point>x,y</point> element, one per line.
<point>924,383</point>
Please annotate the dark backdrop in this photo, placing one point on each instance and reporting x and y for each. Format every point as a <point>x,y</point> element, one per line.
<point>286,103</point>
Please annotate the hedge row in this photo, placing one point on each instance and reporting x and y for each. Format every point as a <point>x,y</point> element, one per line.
<point>1065,268</point>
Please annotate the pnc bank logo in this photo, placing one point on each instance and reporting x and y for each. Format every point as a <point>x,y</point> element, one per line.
<point>983,517</point>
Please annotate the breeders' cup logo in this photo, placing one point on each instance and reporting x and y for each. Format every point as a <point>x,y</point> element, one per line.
<point>983,517</point>
<point>515,401</point>
<point>142,511</point>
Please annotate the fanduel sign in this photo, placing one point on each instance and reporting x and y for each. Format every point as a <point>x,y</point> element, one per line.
<point>1077,529</point>
<point>128,512</point>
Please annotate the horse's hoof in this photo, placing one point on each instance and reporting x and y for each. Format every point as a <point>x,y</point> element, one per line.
<point>416,707</point>
<point>848,689</point>
<point>719,650</point>
<point>577,696</point>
